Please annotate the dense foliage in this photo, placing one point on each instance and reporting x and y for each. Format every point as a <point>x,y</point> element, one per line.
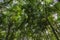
<point>29,20</point>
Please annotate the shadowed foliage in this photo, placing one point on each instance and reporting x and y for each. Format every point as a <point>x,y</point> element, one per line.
<point>29,20</point>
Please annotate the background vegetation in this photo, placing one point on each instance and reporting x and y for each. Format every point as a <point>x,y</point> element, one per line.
<point>29,20</point>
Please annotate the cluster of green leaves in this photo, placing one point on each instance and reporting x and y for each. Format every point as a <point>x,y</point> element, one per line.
<point>29,20</point>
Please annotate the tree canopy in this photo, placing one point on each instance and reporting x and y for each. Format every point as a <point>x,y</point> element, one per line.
<point>29,20</point>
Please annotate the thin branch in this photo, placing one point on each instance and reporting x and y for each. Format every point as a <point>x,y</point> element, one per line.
<point>52,29</point>
<point>8,31</point>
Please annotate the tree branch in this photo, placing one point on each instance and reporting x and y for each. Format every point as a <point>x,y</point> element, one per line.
<point>8,31</point>
<point>53,29</point>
